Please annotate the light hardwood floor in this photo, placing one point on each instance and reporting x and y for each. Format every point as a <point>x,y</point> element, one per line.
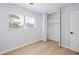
<point>42,48</point>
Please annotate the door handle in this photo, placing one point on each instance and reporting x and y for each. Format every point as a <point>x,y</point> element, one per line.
<point>71,33</point>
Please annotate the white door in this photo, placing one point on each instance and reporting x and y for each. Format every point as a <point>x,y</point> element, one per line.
<point>74,31</point>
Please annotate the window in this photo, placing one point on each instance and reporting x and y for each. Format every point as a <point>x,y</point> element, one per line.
<point>17,21</point>
<point>30,22</point>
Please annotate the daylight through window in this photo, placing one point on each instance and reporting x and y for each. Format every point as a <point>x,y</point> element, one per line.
<point>17,21</point>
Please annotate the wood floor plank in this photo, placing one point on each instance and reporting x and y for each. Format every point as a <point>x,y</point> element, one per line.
<point>42,48</point>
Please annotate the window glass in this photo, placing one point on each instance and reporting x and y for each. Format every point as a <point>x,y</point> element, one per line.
<point>30,22</point>
<point>16,21</point>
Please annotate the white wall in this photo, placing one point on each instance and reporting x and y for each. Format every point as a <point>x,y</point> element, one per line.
<point>54,26</point>
<point>11,39</point>
<point>65,22</point>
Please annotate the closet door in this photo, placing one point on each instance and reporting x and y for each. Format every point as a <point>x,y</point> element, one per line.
<point>54,26</point>
<point>74,31</point>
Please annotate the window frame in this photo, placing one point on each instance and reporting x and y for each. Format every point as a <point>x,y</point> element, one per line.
<point>24,28</point>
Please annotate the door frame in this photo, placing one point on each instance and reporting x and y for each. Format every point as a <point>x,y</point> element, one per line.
<point>59,41</point>
<point>60,28</point>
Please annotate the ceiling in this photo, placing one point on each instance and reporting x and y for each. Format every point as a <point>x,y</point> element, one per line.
<point>43,7</point>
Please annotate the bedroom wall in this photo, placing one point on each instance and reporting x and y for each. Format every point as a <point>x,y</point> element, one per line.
<point>10,39</point>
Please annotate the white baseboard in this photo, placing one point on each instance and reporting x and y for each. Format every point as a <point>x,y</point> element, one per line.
<point>18,46</point>
<point>65,46</point>
<point>45,40</point>
<point>69,48</point>
<point>52,39</point>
